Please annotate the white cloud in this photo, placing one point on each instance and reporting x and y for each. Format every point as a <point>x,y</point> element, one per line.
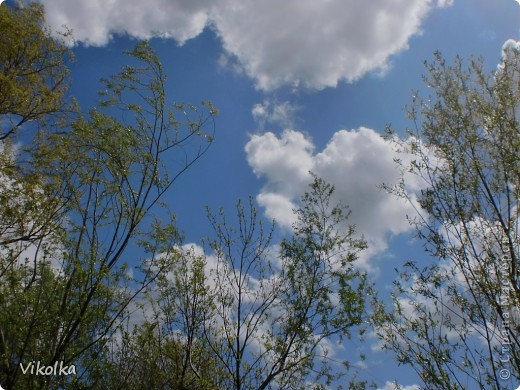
<point>274,113</point>
<point>393,386</point>
<point>94,22</point>
<point>285,160</point>
<point>260,112</point>
<point>356,162</point>
<point>444,3</point>
<point>509,48</point>
<point>510,61</point>
<point>316,44</point>
<point>294,42</point>
<point>277,206</point>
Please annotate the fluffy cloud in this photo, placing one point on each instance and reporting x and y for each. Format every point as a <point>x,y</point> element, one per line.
<point>294,42</point>
<point>314,43</point>
<point>94,22</point>
<point>285,161</point>
<point>356,162</point>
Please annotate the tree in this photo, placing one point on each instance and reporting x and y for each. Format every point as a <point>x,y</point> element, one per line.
<point>262,316</point>
<point>324,293</point>
<point>62,294</point>
<point>455,320</point>
<point>33,72</point>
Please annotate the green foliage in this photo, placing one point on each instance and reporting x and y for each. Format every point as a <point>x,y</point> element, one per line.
<point>75,205</point>
<point>33,74</point>
<point>456,321</point>
<point>319,260</point>
<point>324,293</point>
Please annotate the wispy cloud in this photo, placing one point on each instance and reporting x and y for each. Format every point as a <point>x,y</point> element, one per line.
<point>274,113</point>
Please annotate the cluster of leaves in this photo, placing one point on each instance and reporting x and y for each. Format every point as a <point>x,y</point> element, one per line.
<point>33,74</point>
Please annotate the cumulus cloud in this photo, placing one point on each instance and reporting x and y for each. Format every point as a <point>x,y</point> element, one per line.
<point>94,22</point>
<point>284,160</point>
<point>356,162</point>
<point>316,44</point>
<point>294,42</point>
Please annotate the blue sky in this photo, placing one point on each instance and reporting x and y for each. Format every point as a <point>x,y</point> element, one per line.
<point>300,85</point>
